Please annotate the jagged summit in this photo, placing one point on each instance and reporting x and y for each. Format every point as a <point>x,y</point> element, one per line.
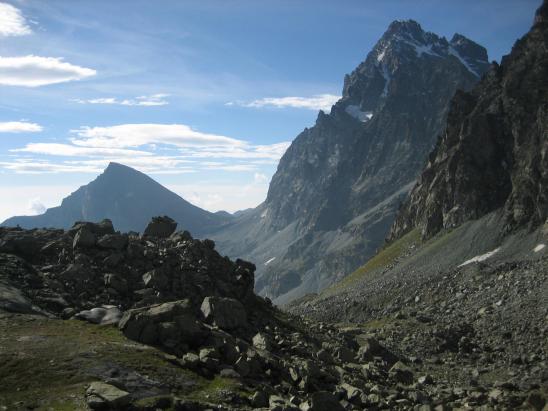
<point>337,187</point>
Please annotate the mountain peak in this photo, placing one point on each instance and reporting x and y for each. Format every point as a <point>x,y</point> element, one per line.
<point>405,26</point>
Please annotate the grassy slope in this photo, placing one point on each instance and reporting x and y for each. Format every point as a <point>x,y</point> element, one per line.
<point>47,364</point>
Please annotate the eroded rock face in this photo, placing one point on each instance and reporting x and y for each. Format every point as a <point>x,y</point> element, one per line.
<point>494,152</point>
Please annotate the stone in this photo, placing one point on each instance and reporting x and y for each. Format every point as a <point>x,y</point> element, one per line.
<point>171,324</point>
<point>262,342</point>
<point>102,396</point>
<point>116,242</point>
<point>116,282</point>
<point>107,314</point>
<point>155,279</point>
<point>259,399</point>
<point>225,313</point>
<point>401,373</point>
<point>324,401</point>
<point>98,229</point>
<point>160,227</point>
<point>84,238</point>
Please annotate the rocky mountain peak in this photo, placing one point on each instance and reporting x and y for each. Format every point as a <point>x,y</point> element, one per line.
<point>492,155</point>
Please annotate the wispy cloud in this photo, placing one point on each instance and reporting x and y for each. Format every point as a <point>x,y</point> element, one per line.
<point>147,101</point>
<point>135,135</point>
<point>19,127</point>
<point>12,22</point>
<point>68,150</point>
<point>316,102</point>
<point>35,71</point>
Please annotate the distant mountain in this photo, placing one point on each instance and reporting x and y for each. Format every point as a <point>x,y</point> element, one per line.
<point>129,198</point>
<point>494,152</point>
<point>338,186</point>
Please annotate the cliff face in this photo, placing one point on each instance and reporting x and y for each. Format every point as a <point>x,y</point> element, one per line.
<point>493,152</point>
<point>338,186</point>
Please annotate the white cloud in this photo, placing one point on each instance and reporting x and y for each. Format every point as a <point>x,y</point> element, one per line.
<point>35,71</point>
<point>19,127</point>
<point>12,22</point>
<point>36,206</point>
<point>147,101</point>
<point>55,149</point>
<point>260,178</point>
<point>135,135</point>
<point>227,197</point>
<point>316,102</point>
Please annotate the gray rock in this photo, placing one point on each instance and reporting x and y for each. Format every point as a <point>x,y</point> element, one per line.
<point>113,241</point>
<point>107,314</point>
<point>155,279</point>
<point>117,282</point>
<point>160,227</point>
<point>401,373</point>
<point>102,396</point>
<point>262,342</point>
<point>84,238</point>
<point>225,313</point>
<point>173,325</point>
<point>324,401</point>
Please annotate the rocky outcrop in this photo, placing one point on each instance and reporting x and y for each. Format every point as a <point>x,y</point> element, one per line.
<point>129,199</point>
<point>493,152</point>
<point>338,187</point>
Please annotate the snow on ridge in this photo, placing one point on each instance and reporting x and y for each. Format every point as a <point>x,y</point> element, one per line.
<point>455,53</point>
<point>480,258</point>
<point>386,74</point>
<point>539,248</point>
<point>355,112</point>
<point>269,261</point>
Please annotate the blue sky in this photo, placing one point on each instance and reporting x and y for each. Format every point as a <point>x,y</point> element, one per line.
<point>202,95</point>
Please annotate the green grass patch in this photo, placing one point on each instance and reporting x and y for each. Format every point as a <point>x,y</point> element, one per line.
<point>383,258</point>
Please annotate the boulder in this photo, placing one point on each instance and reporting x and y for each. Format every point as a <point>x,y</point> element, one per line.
<point>98,229</point>
<point>116,242</point>
<point>324,401</point>
<point>107,314</point>
<point>84,238</point>
<point>155,279</point>
<point>225,313</point>
<point>116,282</point>
<point>102,396</point>
<point>172,325</point>
<point>262,342</point>
<point>401,373</point>
<point>160,227</point>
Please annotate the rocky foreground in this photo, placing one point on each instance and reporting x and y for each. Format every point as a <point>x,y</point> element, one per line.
<point>95,319</point>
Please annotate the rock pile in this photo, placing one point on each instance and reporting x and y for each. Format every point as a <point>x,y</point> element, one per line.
<point>177,293</point>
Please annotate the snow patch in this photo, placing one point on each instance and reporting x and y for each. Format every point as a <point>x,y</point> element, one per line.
<point>265,213</point>
<point>421,49</point>
<point>386,74</point>
<point>539,248</point>
<point>381,55</point>
<point>455,53</point>
<point>269,261</point>
<point>355,112</point>
<point>480,258</point>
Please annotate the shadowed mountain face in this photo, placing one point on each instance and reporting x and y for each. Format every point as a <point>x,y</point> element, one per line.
<point>338,187</point>
<point>126,196</point>
<point>494,152</point>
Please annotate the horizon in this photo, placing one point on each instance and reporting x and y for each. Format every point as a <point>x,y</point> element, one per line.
<point>199,105</point>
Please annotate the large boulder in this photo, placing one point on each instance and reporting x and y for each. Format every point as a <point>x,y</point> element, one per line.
<point>160,227</point>
<point>84,238</point>
<point>225,313</point>
<point>107,314</point>
<point>99,229</point>
<point>172,325</point>
<point>102,396</point>
<point>113,241</point>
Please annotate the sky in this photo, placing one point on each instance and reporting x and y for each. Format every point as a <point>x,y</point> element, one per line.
<point>204,96</point>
